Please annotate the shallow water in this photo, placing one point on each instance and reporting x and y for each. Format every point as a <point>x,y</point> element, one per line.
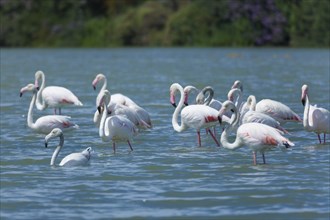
<point>166,175</point>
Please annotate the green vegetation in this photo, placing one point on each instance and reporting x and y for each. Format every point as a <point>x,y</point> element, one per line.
<point>115,23</point>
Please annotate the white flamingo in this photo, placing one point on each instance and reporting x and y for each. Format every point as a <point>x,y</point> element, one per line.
<point>114,128</point>
<point>316,119</point>
<point>47,123</point>
<point>74,159</point>
<point>252,116</point>
<point>53,96</point>
<point>194,116</point>
<point>118,98</point>
<point>258,137</point>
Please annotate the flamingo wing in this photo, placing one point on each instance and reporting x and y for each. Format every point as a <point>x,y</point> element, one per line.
<point>47,123</point>
<point>74,159</point>
<point>57,96</point>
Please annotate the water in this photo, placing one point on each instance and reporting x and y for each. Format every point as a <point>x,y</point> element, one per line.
<point>166,175</point>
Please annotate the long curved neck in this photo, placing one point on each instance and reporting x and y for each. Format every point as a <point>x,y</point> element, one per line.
<point>104,86</point>
<point>177,110</point>
<point>224,136</point>
<point>102,123</point>
<point>306,114</point>
<point>41,105</point>
<point>30,112</point>
<point>253,103</point>
<point>210,95</point>
<point>57,151</point>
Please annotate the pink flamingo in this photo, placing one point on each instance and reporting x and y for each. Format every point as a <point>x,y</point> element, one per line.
<point>258,137</point>
<point>74,159</point>
<point>46,124</point>
<point>315,119</point>
<point>114,128</point>
<point>121,99</point>
<point>195,116</point>
<point>53,96</point>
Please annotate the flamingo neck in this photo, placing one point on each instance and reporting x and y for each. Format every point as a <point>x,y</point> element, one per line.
<point>102,123</point>
<point>177,110</point>
<point>104,86</point>
<point>41,105</point>
<point>57,150</point>
<point>253,103</point>
<point>224,136</point>
<point>306,114</point>
<point>30,112</point>
<point>210,95</point>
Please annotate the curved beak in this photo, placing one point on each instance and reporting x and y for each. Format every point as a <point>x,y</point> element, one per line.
<point>99,109</point>
<point>20,94</point>
<point>46,144</point>
<point>220,119</point>
<point>94,87</point>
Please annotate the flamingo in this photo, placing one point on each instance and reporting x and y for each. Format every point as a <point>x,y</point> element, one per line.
<point>118,98</point>
<point>74,159</point>
<point>47,123</point>
<point>258,137</point>
<point>209,100</point>
<point>277,110</point>
<point>252,116</point>
<point>53,96</point>
<point>315,119</point>
<point>114,128</point>
<point>195,116</point>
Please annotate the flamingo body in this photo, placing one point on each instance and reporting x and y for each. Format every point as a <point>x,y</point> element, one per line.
<point>74,159</point>
<point>277,110</point>
<point>315,119</point>
<point>53,96</point>
<point>258,137</point>
<point>46,124</point>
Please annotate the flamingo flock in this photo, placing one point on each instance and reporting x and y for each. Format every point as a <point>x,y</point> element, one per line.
<point>256,125</point>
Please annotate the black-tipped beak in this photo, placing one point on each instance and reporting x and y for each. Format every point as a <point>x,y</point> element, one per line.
<point>99,109</point>
<point>46,144</point>
<point>38,88</point>
<point>94,87</point>
<point>303,101</point>
<point>220,119</point>
<point>174,105</point>
<point>186,103</point>
<point>20,94</point>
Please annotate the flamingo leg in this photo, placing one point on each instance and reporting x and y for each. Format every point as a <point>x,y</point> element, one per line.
<point>59,111</point>
<point>214,138</point>
<point>54,111</point>
<point>318,135</point>
<point>199,138</point>
<point>254,158</point>
<point>129,144</point>
<point>114,147</point>
<point>324,136</point>
<point>264,158</point>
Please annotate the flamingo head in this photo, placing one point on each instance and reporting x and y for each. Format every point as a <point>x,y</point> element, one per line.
<point>172,95</point>
<point>98,78</point>
<point>104,100</point>
<point>28,88</point>
<point>237,85</point>
<point>56,132</point>
<point>304,92</point>
<point>38,75</point>
<point>226,106</point>
<point>235,92</point>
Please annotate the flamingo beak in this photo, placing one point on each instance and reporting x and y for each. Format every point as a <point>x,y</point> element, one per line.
<point>20,94</point>
<point>303,101</point>
<point>220,119</point>
<point>94,87</point>
<point>99,109</point>
<point>174,105</point>
<point>186,103</point>
<point>46,144</point>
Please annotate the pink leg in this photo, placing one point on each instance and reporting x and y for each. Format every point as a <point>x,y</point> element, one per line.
<point>129,144</point>
<point>254,158</point>
<point>199,138</point>
<point>214,138</point>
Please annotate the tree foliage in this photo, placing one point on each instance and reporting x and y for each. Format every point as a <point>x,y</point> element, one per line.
<point>112,23</point>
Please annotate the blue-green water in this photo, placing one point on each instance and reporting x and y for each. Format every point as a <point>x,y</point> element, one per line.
<point>166,175</point>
